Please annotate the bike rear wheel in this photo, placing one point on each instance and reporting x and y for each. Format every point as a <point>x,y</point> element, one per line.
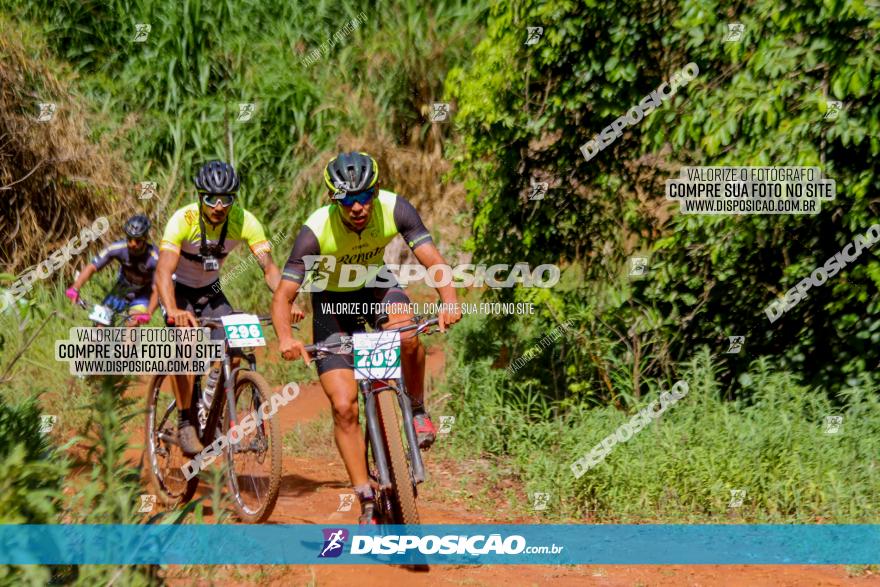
<point>254,461</point>
<point>402,494</point>
<point>163,455</point>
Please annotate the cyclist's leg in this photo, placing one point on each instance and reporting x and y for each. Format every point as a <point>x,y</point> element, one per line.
<point>412,357</point>
<point>204,303</point>
<point>137,309</point>
<point>217,306</point>
<point>115,299</point>
<point>182,384</point>
<point>337,379</point>
<point>341,390</point>
<point>412,351</point>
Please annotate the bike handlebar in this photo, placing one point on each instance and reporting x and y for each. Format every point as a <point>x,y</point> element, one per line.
<point>420,327</point>
<point>214,323</point>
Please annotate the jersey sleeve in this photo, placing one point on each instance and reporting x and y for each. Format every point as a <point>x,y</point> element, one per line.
<point>154,258</point>
<point>108,253</point>
<point>410,225</point>
<point>306,243</point>
<point>175,232</point>
<point>252,232</point>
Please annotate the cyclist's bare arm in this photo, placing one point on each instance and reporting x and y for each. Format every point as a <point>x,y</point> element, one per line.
<point>282,301</point>
<point>270,270</point>
<point>273,278</point>
<point>84,276</point>
<point>165,287</point>
<point>154,300</point>
<point>428,255</point>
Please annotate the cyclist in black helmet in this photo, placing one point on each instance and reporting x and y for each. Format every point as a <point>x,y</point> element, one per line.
<point>354,230</point>
<point>197,239</point>
<point>137,259</point>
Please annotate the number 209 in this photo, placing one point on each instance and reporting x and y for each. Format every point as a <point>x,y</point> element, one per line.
<point>376,358</point>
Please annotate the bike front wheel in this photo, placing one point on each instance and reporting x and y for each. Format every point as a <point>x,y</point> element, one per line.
<point>254,460</point>
<point>403,495</point>
<point>163,455</point>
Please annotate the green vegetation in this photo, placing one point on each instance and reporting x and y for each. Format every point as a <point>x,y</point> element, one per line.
<point>682,467</point>
<point>311,438</point>
<point>524,111</point>
<point>753,419</point>
<point>154,110</point>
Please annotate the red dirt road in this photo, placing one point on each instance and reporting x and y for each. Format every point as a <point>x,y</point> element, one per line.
<point>310,492</point>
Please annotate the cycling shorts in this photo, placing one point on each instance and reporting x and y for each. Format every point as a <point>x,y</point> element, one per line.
<point>204,302</point>
<point>329,324</point>
<point>124,298</point>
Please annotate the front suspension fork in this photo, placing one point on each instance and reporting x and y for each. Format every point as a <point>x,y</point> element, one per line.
<point>415,455</point>
<point>375,435</point>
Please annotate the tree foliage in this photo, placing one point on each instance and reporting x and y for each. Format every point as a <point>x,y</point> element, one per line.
<point>525,110</point>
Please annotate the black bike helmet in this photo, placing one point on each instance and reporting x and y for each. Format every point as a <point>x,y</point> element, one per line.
<point>137,226</point>
<point>351,173</point>
<point>217,177</point>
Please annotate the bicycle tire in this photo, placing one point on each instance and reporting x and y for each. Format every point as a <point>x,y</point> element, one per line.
<point>167,495</point>
<point>245,514</point>
<point>403,496</point>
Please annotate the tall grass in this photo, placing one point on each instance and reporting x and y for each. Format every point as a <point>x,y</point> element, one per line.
<point>178,92</point>
<point>683,466</point>
<point>33,474</point>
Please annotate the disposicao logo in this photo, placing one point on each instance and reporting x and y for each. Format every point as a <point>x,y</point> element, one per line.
<point>334,542</point>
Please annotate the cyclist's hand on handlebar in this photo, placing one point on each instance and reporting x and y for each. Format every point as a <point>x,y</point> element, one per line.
<point>449,315</point>
<point>182,318</point>
<point>292,349</point>
<point>296,313</point>
<point>141,318</point>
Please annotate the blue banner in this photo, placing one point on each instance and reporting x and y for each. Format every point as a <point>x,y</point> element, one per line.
<point>440,544</point>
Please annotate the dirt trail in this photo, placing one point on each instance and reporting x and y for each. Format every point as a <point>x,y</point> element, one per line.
<point>310,490</point>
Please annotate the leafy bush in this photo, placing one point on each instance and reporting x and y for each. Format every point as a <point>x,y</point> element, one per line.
<point>525,110</point>
<point>30,469</point>
<point>682,467</point>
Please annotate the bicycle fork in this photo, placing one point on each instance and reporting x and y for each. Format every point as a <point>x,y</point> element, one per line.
<point>375,434</point>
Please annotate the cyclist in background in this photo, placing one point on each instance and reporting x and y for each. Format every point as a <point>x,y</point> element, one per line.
<point>137,259</point>
<point>355,228</point>
<point>197,240</point>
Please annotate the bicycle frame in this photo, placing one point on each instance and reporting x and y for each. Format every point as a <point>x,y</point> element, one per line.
<point>227,378</point>
<point>369,389</point>
<point>253,497</point>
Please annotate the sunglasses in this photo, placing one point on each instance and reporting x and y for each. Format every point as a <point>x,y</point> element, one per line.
<point>362,198</point>
<point>226,200</point>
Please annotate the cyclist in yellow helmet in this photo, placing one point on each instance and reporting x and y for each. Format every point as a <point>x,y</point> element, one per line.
<point>354,230</point>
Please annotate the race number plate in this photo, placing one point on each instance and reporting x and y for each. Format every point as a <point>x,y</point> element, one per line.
<point>243,330</point>
<point>376,355</point>
<point>101,315</point>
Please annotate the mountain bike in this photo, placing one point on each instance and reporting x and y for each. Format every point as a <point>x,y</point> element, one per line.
<point>253,462</point>
<point>396,469</point>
